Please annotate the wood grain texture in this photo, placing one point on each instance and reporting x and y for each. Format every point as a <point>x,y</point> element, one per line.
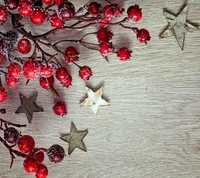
<point>151,129</point>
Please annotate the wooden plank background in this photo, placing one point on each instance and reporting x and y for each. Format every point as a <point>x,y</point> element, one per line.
<point>151,129</point>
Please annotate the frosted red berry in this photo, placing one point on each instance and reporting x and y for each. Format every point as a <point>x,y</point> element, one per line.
<point>3,94</point>
<point>143,35</point>
<point>60,108</point>
<point>14,70</point>
<point>94,8</point>
<point>42,171</point>
<point>124,54</point>
<point>46,82</point>
<point>62,74</point>
<point>112,10</point>
<point>26,144</point>
<point>11,4</point>
<point>46,70</point>
<point>105,48</point>
<point>11,81</point>
<point>25,8</point>
<point>24,46</point>
<point>30,165</point>
<point>85,72</point>
<point>3,13</point>
<point>67,82</point>
<point>11,135</point>
<point>103,35</point>
<point>47,1</point>
<point>134,13</point>
<point>56,21</point>
<point>31,69</point>
<point>66,10</point>
<point>56,153</point>
<point>71,54</point>
<point>38,16</point>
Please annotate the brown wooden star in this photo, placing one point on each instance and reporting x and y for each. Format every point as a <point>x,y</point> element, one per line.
<point>28,106</point>
<point>75,139</point>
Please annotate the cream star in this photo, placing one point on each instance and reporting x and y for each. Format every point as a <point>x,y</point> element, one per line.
<point>94,100</point>
<point>178,26</point>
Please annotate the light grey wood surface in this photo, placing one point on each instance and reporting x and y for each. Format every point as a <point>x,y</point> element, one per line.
<point>151,129</point>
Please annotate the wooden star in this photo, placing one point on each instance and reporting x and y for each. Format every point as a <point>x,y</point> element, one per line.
<point>28,106</point>
<point>178,26</point>
<point>75,139</point>
<point>94,100</point>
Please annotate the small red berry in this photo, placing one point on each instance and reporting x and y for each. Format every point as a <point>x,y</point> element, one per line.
<point>60,108</point>
<point>31,69</point>
<point>46,70</point>
<point>85,72</point>
<point>3,13</point>
<point>71,54</point>
<point>46,82</point>
<point>57,2</point>
<point>24,46</point>
<point>66,10</point>
<point>38,16</point>
<point>11,135</point>
<point>105,48</point>
<point>104,35</point>
<point>62,74</point>
<point>47,1</point>
<point>102,23</point>
<point>30,165</point>
<point>56,21</point>
<point>56,153</point>
<point>38,155</point>
<point>134,13</point>
<point>25,8</point>
<point>12,4</point>
<point>26,144</point>
<point>14,70</point>
<point>11,81</point>
<point>94,8</point>
<point>42,171</point>
<point>143,35</point>
<point>111,11</point>
<point>124,54</point>
<point>3,94</point>
<point>67,82</point>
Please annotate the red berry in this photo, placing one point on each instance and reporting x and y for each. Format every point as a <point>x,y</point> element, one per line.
<point>24,46</point>
<point>134,13</point>
<point>11,81</point>
<point>67,82</point>
<point>42,171</point>
<point>30,165</point>
<point>25,8</point>
<point>103,23</point>
<point>12,4</point>
<point>46,70</point>
<point>111,11</point>
<point>62,74</point>
<point>71,54</point>
<point>3,94</point>
<point>46,82</point>
<point>124,54</point>
<point>26,144</point>
<point>104,35</point>
<point>85,72</point>
<point>66,10</point>
<point>3,13</point>
<point>11,135</point>
<point>56,21</point>
<point>143,35</point>
<point>56,153</point>
<point>31,69</point>
<point>47,1</point>
<point>14,70</point>
<point>57,2</point>
<point>38,155</point>
<point>105,48</point>
<point>38,16</point>
<point>60,108</point>
<point>94,8</point>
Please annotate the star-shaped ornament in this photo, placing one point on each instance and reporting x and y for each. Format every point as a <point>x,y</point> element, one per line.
<point>94,100</point>
<point>28,106</point>
<point>75,139</point>
<point>178,26</point>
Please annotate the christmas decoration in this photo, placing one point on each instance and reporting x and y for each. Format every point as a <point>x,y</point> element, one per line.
<point>178,26</point>
<point>94,100</point>
<point>75,139</point>
<point>28,106</point>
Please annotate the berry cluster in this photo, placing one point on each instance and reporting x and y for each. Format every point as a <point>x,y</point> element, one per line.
<point>41,64</point>
<point>33,157</point>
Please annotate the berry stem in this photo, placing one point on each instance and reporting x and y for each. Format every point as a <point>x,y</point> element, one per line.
<point>10,123</point>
